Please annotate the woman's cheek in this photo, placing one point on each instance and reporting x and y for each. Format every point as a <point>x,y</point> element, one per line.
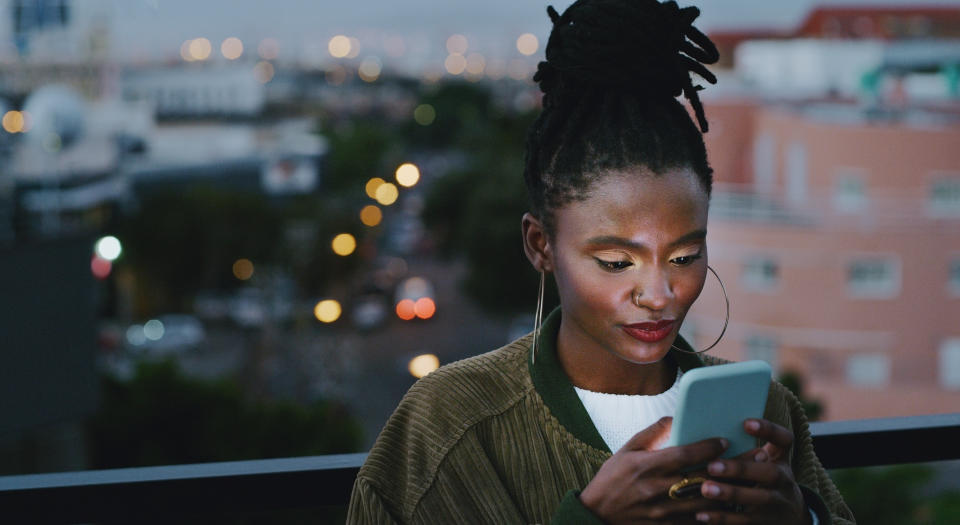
<point>688,288</point>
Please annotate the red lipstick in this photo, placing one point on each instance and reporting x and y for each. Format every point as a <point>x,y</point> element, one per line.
<point>649,332</point>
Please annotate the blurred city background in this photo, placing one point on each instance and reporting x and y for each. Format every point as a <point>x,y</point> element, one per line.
<point>236,230</point>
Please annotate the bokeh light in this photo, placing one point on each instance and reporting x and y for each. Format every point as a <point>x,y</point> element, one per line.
<point>13,122</point>
<point>135,335</point>
<point>231,48</point>
<point>518,70</point>
<point>100,267</point>
<point>336,75</point>
<point>423,365</point>
<point>387,194</point>
<point>527,44</point>
<point>344,244</point>
<point>200,48</point>
<point>372,186</point>
<point>424,308</point>
<point>243,269</point>
<point>406,309</point>
<point>153,329</point>
<point>408,174</point>
<point>339,46</point>
<point>457,44</point>
<point>424,114</point>
<point>185,51</point>
<point>369,69</point>
<point>455,64</point>
<point>269,49</point>
<point>355,48</point>
<point>263,71</point>
<point>475,65</point>
<point>108,248</point>
<point>371,215</point>
<point>327,311</point>
<point>496,69</point>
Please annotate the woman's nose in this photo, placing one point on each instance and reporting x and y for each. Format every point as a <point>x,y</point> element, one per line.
<point>654,291</point>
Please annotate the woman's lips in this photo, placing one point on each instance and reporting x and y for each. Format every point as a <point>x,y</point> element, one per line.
<point>649,332</point>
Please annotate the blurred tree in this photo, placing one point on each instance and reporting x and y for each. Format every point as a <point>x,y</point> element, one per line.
<point>896,495</point>
<point>311,259</point>
<point>942,509</point>
<point>461,108</point>
<point>358,151</point>
<point>163,417</point>
<point>179,243</point>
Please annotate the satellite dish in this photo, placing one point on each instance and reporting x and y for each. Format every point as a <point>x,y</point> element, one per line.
<point>55,113</point>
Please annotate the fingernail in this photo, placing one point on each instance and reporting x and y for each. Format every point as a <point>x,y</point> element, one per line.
<point>760,457</point>
<point>753,425</point>
<point>703,517</point>
<point>716,467</point>
<point>711,490</point>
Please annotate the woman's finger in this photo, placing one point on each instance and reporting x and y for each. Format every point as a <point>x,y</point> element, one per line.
<point>672,510</point>
<point>724,518</point>
<point>777,437</point>
<point>719,491</point>
<point>765,473</point>
<point>675,459</point>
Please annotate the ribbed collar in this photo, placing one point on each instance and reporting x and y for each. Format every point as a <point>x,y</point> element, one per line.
<point>557,391</point>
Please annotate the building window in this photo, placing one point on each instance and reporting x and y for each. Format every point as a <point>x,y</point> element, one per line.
<point>763,348</point>
<point>944,197</point>
<point>849,192</point>
<point>796,171</point>
<point>873,278</point>
<point>955,277</point>
<point>950,363</point>
<point>760,273</point>
<point>764,163</point>
<point>868,370</point>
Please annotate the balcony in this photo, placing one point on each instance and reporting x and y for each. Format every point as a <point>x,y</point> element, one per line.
<point>165,493</point>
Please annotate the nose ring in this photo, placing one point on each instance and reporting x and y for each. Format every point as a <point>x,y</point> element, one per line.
<point>636,298</point>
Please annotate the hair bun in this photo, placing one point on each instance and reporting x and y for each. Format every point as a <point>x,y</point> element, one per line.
<point>636,45</point>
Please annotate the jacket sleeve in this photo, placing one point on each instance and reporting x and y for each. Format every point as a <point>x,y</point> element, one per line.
<point>818,489</point>
<point>572,512</point>
<point>429,466</point>
<point>366,506</point>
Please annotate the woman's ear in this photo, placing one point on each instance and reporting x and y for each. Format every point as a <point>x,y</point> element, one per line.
<point>536,244</point>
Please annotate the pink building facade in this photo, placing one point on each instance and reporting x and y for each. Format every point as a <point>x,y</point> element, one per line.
<point>838,240</point>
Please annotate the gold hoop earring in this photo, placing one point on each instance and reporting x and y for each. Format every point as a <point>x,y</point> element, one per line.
<point>725,321</point>
<point>537,320</point>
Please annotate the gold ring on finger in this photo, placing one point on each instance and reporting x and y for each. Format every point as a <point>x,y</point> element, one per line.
<point>686,488</point>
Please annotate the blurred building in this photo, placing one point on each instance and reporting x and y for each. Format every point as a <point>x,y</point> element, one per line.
<point>835,221</point>
<point>882,23</point>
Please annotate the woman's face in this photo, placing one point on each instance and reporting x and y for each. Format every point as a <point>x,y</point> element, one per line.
<point>636,233</point>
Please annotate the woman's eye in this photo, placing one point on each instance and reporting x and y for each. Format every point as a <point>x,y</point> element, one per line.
<point>686,260</point>
<point>614,265</point>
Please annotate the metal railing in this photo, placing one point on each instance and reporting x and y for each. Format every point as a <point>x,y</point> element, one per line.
<point>137,495</point>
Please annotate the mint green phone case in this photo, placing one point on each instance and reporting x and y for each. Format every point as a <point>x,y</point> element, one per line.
<point>715,400</point>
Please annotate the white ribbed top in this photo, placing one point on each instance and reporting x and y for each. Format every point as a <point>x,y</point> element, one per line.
<point>618,417</point>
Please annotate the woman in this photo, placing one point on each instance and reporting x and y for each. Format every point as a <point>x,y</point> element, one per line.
<point>619,183</point>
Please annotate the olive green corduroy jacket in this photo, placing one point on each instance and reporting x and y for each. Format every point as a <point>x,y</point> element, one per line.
<point>496,439</point>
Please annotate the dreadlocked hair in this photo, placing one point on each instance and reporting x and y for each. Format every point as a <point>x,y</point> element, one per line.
<point>612,73</point>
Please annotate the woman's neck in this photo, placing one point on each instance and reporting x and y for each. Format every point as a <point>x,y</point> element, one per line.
<point>592,367</point>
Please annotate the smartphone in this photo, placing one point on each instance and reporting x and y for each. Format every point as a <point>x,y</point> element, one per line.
<point>714,402</point>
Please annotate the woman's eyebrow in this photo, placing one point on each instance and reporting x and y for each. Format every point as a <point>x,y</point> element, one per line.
<point>696,235</point>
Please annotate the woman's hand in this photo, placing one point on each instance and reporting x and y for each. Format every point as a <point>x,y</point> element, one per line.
<point>631,486</point>
<point>765,488</point>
